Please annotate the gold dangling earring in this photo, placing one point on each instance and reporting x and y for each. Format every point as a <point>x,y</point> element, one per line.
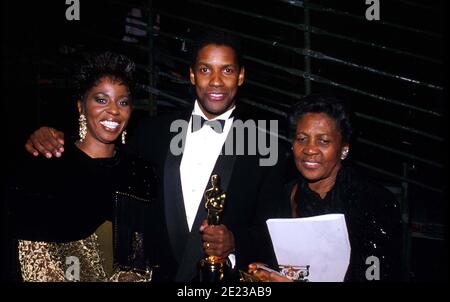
<point>82,130</point>
<point>124,133</point>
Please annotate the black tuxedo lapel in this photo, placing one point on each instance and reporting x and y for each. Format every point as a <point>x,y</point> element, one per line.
<point>193,252</point>
<point>174,210</point>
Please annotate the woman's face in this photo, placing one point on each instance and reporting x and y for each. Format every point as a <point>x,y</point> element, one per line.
<point>107,110</point>
<point>318,147</point>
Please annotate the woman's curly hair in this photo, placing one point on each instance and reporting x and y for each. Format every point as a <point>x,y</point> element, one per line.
<point>117,67</point>
<point>330,105</point>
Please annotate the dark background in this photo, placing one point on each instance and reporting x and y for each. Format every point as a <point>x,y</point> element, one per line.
<point>40,50</point>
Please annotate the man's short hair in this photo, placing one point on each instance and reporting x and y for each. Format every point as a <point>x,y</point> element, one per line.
<point>217,38</point>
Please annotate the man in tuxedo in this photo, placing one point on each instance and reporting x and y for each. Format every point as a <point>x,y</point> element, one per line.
<point>190,146</point>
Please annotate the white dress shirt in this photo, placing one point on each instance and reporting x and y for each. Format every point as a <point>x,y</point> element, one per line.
<point>201,150</point>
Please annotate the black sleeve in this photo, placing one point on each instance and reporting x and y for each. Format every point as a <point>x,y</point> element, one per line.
<point>389,235</point>
<point>377,238</point>
<point>253,244</point>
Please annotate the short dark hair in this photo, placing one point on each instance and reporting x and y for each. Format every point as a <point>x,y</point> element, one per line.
<point>107,64</point>
<point>218,38</point>
<point>330,105</point>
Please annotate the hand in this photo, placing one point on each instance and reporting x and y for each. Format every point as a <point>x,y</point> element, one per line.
<point>218,240</point>
<point>266,274</point>
<point>47,141</point>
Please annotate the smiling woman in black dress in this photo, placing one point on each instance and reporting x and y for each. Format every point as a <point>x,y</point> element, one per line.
<point>62,210</point>
<point>328,185</point>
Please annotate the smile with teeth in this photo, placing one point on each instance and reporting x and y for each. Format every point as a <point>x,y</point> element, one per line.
<point>110,124</point>
<point>216,96</point>
<point>311,164</point>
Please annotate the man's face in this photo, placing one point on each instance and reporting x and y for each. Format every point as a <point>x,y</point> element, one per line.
<point>216,77</point>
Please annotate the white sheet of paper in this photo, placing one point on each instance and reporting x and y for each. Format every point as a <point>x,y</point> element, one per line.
<point>319,241</point>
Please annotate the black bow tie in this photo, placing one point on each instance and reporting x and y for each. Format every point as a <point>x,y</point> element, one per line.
<point>198,121</point>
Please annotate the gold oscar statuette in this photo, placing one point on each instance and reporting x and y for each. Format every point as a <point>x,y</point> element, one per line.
<point>214,268</point>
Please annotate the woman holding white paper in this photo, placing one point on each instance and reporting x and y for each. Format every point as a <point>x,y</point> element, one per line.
<point>327,185</point>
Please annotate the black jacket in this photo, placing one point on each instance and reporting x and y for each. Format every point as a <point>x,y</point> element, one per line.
<point>253,194</point>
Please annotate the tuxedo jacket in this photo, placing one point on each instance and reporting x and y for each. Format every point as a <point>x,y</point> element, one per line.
<point>254,194</point>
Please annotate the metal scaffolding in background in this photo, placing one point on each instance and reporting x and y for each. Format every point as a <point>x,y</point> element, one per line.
<point>294,48</point>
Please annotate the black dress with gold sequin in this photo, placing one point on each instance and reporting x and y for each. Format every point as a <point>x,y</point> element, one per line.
<point>71,217</point>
